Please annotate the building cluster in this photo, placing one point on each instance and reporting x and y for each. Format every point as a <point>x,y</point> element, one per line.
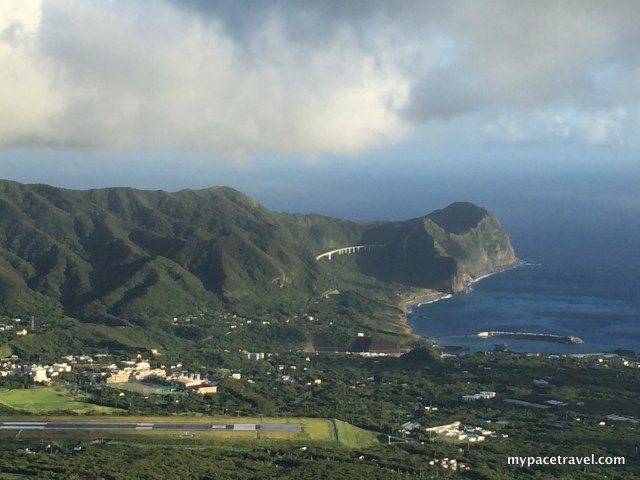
<point>291,374</point>
<point>95,371</point>
<point>479,396</point>
<point>462,432</point>
<point>140,369</point>
<point>450,464</point>
<point>12,367</point>
<point>13,328</point>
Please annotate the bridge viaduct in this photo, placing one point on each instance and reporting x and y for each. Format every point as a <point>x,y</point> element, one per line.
<point>343,250</point>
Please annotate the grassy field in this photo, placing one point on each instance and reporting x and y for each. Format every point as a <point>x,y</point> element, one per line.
<point>355,437</point>
<point>44,400</point>
<point>48,399</point>
<point>142,388</point>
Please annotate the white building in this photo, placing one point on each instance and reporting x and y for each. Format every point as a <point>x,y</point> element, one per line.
<point>39,375</point>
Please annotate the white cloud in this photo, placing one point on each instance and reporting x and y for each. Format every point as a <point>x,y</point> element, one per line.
<point>313,77</point>
<point>116,75</point>
<point>27,103</point>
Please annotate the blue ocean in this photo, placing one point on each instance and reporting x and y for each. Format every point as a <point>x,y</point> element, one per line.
<point>581,277</point>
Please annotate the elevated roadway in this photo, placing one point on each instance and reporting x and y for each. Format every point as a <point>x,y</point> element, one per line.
<point>346,250</point>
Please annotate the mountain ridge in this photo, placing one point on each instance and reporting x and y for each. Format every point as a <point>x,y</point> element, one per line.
<point>121,256</point>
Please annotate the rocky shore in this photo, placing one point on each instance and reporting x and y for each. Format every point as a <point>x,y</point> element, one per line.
<point>420,297</point>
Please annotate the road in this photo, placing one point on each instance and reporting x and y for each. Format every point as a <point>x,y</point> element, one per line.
<point>262,427</point>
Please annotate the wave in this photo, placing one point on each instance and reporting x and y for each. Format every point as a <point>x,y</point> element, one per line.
<point>437,299</point>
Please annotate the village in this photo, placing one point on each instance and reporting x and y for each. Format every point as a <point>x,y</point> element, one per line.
<point>94,370</point>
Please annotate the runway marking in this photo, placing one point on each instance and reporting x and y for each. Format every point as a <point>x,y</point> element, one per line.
<point>24,423</point>
<point>277,427</point>
<point>244,426</point>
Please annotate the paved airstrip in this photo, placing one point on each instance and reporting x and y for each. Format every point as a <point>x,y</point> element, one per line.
<point>262,427</point>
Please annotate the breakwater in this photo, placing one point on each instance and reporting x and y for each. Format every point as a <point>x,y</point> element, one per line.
<point>545,337</point>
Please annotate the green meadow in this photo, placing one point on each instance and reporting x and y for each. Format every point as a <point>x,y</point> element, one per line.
<point>355,437</point>
<point>40,400</point>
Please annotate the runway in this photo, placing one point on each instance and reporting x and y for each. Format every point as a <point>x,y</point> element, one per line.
<point>189,426</point>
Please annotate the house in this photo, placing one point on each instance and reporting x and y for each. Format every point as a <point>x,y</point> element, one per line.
<point>484,395</point>
<point>119,376</point>
<point>39,375</point>
<point>441,429</point>
<point>156,372</point>
<point>142,365</point>
<point>408,426</point>
<point>187,382</point>
<point>60,368</point>
<point>207,389</point>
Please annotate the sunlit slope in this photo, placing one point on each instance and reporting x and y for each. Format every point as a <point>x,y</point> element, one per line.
<point>111,254</point>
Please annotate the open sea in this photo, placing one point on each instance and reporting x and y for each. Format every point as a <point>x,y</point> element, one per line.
<point>588,288</point>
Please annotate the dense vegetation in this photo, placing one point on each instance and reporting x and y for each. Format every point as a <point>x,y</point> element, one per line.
<point>378,394</point>
<point>120,257</point>
<point>204,275</point>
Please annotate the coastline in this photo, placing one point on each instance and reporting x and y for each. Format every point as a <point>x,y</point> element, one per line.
<point>482,276</point>
<point>521,341</point>
<point>414,298</point>
<point>423,296</point>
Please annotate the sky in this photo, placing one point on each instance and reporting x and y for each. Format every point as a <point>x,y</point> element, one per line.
<point>358,109</point>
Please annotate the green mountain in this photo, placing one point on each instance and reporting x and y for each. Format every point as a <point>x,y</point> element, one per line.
<point>129,258</point>
<point>445,250</point>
